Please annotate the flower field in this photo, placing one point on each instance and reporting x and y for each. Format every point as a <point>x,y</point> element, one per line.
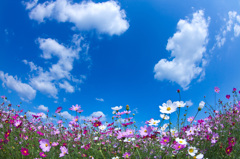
<point>216,136</point>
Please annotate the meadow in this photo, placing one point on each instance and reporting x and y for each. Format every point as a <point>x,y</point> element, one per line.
<point>216,136</point>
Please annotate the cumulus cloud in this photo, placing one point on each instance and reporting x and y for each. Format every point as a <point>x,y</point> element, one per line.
<point>187,47</point>
<point>232,24</point>
<point>189,103</point>
<point>43,108</point>
<point>58,74</point>
<point>66,115</point>
<point>105,17</point>
<point>100,99</point>
<point>25,91</point>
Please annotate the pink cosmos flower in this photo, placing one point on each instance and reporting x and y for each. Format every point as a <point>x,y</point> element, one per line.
<point>216,89</point>
<point>58,110</point>
<point>75,108</point>
<point>178,146</point>
<point>55,144</point>
<point>164,140</point>
<point>40,133</point>
<point>17,123</point>
<point>45,145</point>
<point>126,155</point>
<point>24,151</point>
<point>42,154</point>
<point>229,150</point>
<point>145,130</point>
<point>231,141</point>
<point>64,151</point>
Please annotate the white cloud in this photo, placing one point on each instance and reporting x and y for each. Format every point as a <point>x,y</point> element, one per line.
<point>66,115</point>
<point>105,17</point>
<point>189,103</point>
<point>233,23</point>
<point>100,99</point>
<point>25,91</point>
<point>58,74</point>
<point>33,67</point>
<point>68,88</point>
<point>187,47</point>
<point>43,108</point>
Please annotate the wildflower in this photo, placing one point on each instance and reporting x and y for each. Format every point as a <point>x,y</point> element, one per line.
<point>231,141</point>
<point>55,144</point>
<point>58,110</point>
<point>102,127</point>
<point>201,105</point>
<point>75,108</point>
<point>17,123</point>
<point>42,154</point>
<point>40,133</point>
<point>180,104</point>
<point>96,124</point>
<point>126,155</point>
<point>190,119</point>
<point>64,151</point>
<point>117,108</point>
<point>145,130</point>
<point>216,89</point>
<point>178,146</point>
<point>227,96</point>
<point>7,133</point>
<point>45,145</point>
<point>165,117</point>
<point>24,151</point>
<point>154,122</point>
<point>168,107</point>
<point>199,156</point>
<point>181,141</point>
<point>192,151</point>
<point>164,140</point>
<point>229,150</point>
<point>115,157</point>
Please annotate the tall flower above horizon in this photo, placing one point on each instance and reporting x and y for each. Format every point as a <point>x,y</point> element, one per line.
<point>165,117</point>
<point>180,104</point>
<point>116,108</point>
<point>168,108</point>
<point>75,108</point>
<point>153,122</point>
<point>45,145</point>
<point>216,89</point>
<point>58,110</point>
<point>201,105</point>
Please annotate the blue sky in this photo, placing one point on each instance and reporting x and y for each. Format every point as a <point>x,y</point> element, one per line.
<point>135,52</point>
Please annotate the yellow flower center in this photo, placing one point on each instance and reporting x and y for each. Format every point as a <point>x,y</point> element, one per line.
<point>75,108</point>
<point>127,156</point>
<point>46,145</point>
<point>179,147</point>
<point>191,150</point>
<point>180,141</point>
<point>76,119</point>
<point>168,108</point>
<point>194,157</point>
<point>165,140</point>
<point>145,131</point>
<point>154,122</point>
<point>25,151</point>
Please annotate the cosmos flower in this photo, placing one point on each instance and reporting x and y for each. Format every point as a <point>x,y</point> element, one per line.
<point>58,110</point>
<point>42,154</point>
<point>75,108</point>
<point>117,108</point>
<point>165,117</point>
<point>45,145</point>
<point>216,89</point>
<point>126,155</point>
<point>64,151</point>
<point>192,150</point>
<point>180,104</point>
<point>24,151</point>
<point>154,122</point>
<point>201,105</point>
<point>168,108</point>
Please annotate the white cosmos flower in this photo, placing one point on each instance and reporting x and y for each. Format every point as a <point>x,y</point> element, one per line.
<point>192,151</point>
<point>128,139</point>
<point>165,117</point>
<point>115,157</point>
<point>153,122</point>
<point>200,156</point>
<point>102,127</point>
<point>116,108</point>
<point>201,105</point>
<point>180,104</point>
<point>181,141</point>
<point>168,107</point>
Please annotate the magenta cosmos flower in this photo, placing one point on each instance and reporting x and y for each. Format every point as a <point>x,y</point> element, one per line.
<point>164,140</point>
<point>231,141</point>
<point>216,89</point>
<point>75,108</point>
<point>24,151</point>
<point>45,145</point>
<point>126,155</point>
<point>229,150</point>
<point>64,151</point>
<point>17,123</point>
<point>42,154</point>
<point>58,110</point>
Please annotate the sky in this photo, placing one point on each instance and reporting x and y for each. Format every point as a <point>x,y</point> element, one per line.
<point>102,54</point>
